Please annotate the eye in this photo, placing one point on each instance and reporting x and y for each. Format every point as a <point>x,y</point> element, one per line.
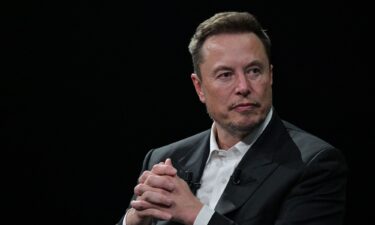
<point>254,72</point>
<point>224,75</point>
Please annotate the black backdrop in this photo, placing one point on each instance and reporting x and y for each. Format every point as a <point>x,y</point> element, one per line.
<point>89,87</point>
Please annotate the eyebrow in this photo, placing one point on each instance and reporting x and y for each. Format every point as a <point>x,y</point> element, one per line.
<point>250,64</point>
<point>222,68</point>
<point>256,63</point>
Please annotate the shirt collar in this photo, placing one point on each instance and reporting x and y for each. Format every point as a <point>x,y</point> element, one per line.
<point>243,145</point>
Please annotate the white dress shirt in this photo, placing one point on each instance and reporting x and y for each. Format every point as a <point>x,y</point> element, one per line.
<point>218,170</point>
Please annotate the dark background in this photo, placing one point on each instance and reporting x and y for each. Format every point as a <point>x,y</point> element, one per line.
<point>88,87</point>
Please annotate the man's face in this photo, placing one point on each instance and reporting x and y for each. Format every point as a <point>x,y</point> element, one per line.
<point>236,81</point>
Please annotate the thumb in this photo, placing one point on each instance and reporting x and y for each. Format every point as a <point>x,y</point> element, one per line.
<point>172,170</point>
<point>168,162</point>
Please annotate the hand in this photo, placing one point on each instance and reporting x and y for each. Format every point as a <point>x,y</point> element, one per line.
<point>163,195</point>
<point>144,216</point>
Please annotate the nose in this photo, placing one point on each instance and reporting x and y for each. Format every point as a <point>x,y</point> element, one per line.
<point>242,85</point>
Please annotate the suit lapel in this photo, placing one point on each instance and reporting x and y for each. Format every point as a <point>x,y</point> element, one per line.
<point>257,164</point>
<point>191,161</point>
<point>251,178</point>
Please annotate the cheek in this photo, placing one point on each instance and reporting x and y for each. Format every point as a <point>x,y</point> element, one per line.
<point>216,98</point>
<point>267,96</point>
<point>218,94</point>
<point>264,89</point>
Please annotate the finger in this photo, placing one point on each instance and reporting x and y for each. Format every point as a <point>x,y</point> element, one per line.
<point>142,188</point>
<point>157,214</point>
<point>145,210</point>
<point>168,162</point>
<point>163,182</point>
<point>141,205</point>
<point>156,198</point>
<point>144,176</point>
<point>138,190</point>
<point>164,169</point>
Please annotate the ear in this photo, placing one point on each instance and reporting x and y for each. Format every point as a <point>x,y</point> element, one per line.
<point>198,87</point>
<point>271,73</point>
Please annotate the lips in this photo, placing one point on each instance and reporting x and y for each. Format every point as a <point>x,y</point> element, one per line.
<point>241,107</point>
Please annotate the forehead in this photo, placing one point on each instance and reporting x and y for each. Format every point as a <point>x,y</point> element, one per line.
<point>233,45</point>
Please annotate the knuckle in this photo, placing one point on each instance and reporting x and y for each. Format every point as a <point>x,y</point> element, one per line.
<point>143,177</point>
<point>155,167</point>
<point>152,197</point>
<point>138,189</point>
<point>147,195</point>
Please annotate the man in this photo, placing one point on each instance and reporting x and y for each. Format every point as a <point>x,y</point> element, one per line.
<point>250,167</point>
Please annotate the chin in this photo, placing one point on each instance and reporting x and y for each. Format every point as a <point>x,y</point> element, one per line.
<point>243,127</point>
<point>249,124</point>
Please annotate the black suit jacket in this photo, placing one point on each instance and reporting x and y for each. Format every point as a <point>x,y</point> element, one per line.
<point>287,177</point>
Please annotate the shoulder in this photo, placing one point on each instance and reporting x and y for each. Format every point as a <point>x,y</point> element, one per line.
<point>309,145</point>
<point>180,147</point>
<point>186,142</point>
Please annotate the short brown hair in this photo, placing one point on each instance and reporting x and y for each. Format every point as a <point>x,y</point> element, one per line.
<point>226,22</point>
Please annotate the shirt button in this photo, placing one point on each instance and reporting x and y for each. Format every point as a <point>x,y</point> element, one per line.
<point>222,154</point>
<point>223,180</point>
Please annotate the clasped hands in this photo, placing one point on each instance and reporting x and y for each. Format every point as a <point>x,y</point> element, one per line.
<point>161,194</point>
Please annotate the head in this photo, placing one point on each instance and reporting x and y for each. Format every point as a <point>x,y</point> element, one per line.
<point>232,71</point>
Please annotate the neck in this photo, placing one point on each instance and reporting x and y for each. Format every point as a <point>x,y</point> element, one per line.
<point>226,139</point>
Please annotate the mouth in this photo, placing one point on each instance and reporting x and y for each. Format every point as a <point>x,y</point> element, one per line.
<point>243,107</point>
